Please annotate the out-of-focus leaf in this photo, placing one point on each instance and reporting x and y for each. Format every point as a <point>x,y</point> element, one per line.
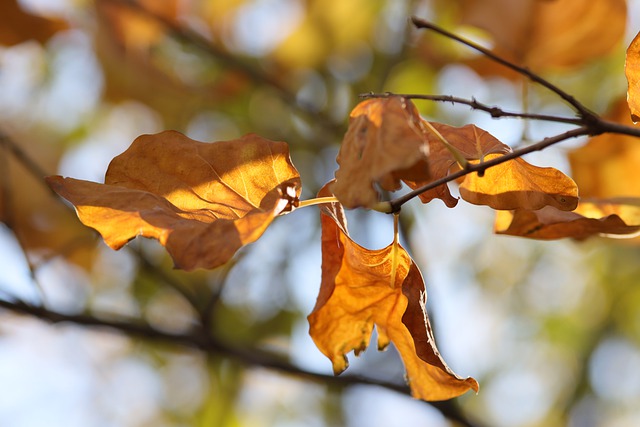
<point>362,288</point>
<point>133,29</point>
<point>619,217</point>
<point>44,227</point>
<point>383,144</point>
<point>17,26</point>
<point>202,201</point>
<point>516,184</point>
<point>329,28</point>
<point>607,165</point>
<point>549,34</point>
<point>632,70</point>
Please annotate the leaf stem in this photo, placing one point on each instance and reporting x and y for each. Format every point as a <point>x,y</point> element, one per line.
<point>457,155</point>
<point>317,201</point>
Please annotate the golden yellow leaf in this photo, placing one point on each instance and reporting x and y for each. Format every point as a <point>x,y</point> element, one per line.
<point>383,144</point>
<point>202,201</point>
<point>17,26</point>
<point>607,165</point>
<point>612,217</point>
<point>516,184</point>
<point>548,34</point>
<point>632,70</point>
<point>362,288</point>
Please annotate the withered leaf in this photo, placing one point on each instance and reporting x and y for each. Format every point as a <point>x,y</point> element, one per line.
<point>17,26</point>
<point>383,144</point>
<point>612,217</point>
<point>202,201</point>
<point>549,34</point>
<point>632,71</point>
<point>362,288</point>
<point>472,142</point>
<point>510,185</point>
<point>516,184</point>
<point>607,165</point>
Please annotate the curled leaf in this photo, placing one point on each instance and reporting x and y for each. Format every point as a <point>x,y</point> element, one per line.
<point>613,217</point>
<point>607,165</point>
<point>202,201</point>
<point>383,144</point>
<point>632,71</point>
<point>549,34</point>
<point>362,288</point>
<point>516,184</point>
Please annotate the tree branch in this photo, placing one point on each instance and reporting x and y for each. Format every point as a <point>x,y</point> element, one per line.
<point>494,111</point>
<point>251,71</point>
<point>583,111</point>
<point>198,339</point>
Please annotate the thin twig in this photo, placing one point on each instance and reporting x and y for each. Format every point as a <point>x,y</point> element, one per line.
<point>582,110</point>
<point>198,339</point>
<point>494,111</point>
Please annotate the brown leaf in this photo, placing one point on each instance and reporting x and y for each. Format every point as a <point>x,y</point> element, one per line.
<point>607,165</point>
<point>619,217</point>
<point>471,141</point>
<point>545,34</point>
<point>202,201</point>
<point>17,26</point>
<point>383,144</point>
<point>362,288</point>
<point>632,71</point>
<point>516,184</point>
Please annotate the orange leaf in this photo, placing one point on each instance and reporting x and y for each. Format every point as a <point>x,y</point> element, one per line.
<point>516,184</point>
<point>632,70</point>
<point>202,201</point>
<point>18,26</point>
<point>607,165</point>
<point>619,217</point>
<point>544,34</point>
<point>362,287</point>
<point>382,145</point>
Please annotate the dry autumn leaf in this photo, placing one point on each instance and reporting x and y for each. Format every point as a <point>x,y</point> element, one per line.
<point>632,71</point>
<point>362,288</point>
<point>613,217</point>
<point>510,185</point>
<point>472,142</point>
<point>516,184</point>
<point>547,34</point>
<point>202,201</point>
<point>383,144</point>
<point>607,165</point>
<point>17,26</point>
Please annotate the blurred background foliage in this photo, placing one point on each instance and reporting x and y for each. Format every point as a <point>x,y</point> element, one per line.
<point>550,329</point>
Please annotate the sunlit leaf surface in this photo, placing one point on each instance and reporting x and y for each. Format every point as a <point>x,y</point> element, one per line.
<point>362,288</point>
<point>202,201</point>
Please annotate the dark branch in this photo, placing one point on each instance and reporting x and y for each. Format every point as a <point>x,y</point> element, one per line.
<point>198,339</point>
<point>583,111</point>
<point>494,111</point>
<point>249,70</point>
